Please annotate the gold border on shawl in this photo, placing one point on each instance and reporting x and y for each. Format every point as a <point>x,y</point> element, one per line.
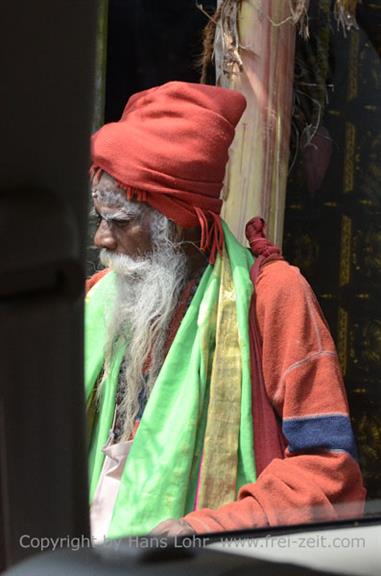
<point>219,467</point>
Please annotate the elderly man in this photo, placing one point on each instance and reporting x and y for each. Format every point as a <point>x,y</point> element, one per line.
<point>172,367</point>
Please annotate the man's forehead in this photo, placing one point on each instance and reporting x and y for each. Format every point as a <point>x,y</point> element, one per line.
<point>104,189</point>
<point>107,197</point>
<point>104,183</point>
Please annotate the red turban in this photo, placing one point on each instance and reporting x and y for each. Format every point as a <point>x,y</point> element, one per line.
<point>170,148</point>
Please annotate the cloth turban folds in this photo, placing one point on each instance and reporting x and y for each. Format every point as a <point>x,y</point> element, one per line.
<point>170,148</point>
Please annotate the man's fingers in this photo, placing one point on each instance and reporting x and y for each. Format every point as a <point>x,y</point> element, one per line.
<point>163,527</point>
<point>172,527</point>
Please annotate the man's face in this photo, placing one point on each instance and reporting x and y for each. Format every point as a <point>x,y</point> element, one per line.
<point>120,230</point>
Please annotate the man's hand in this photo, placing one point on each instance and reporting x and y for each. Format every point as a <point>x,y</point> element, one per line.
<point>172,528</point>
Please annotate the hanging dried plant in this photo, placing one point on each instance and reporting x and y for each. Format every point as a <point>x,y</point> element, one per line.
<point>311,79</point>
<point>221,40</point>
<point>345,12</point>
<point>298,16</point>
<point>226,42</point>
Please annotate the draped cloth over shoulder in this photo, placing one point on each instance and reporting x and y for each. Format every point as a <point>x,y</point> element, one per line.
<point>269,442</point>
<point>194,444</point>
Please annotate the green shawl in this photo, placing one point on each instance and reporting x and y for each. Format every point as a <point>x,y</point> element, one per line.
<point>194,444</point>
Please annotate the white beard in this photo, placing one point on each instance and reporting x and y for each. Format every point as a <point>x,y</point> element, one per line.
<point>148,290</point>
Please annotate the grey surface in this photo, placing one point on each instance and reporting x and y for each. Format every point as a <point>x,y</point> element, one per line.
<point>46,62</point>
<point>167,562</point>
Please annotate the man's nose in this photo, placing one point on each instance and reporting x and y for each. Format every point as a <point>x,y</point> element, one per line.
<point>104,238</point>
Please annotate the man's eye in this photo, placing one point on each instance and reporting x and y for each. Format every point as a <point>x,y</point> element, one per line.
<point>98,219</point>
<point>120,223</point>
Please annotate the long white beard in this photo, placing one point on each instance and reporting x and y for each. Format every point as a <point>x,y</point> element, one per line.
<point>147,294</point>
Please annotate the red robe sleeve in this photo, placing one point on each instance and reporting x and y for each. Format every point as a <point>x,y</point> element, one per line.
<point>319,478</point>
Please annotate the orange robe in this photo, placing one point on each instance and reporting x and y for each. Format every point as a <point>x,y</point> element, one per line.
<point>303,381</point>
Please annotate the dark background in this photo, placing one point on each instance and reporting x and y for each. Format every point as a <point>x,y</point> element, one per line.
<point>151,42</point>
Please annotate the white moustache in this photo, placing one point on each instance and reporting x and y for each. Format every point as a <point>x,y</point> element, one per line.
<point>125,265</point>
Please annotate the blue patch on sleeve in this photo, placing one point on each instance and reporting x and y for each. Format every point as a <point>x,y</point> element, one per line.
<point>311,434</point>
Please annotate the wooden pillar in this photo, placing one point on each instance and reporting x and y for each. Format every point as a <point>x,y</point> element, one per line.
<point>259,62</point>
